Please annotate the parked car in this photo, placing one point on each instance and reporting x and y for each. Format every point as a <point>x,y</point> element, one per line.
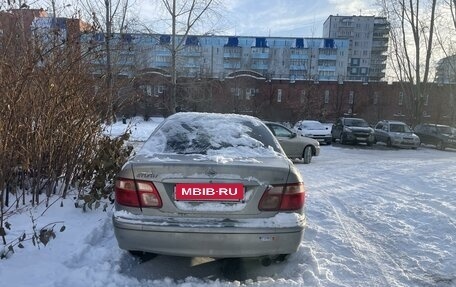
<point>214,185</point>
<point>396,133</point>
<point>295,146</point>
<point>352,130</point>
<point>442,136</point>
<point>313,129</point>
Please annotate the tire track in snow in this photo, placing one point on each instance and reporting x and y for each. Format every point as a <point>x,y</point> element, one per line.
<point>376,225</point>
<point>360,239</point>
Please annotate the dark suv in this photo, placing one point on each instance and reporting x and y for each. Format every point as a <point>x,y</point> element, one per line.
<point>441,136</point>
<point>352,130</point>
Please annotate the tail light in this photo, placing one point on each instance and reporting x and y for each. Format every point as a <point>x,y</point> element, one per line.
<point>137,193</point>
<point>283,197</point>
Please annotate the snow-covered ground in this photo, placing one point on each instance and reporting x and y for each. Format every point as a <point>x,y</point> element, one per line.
<point>376,217</point>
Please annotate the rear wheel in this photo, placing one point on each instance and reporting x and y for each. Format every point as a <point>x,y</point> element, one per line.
<point>388,142</point>
<point>307,154</point>
<point>440,145</point>
<point>343,139</point>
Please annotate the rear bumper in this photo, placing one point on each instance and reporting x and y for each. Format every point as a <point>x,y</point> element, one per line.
<point>213,238</point>
<point>403,144</point>
<point>360,137</point>
<point>324,139</point>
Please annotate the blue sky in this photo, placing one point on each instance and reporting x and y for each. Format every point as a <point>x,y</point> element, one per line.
<point>281,17</point>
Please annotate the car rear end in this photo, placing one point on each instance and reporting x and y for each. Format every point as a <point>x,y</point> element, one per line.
<point>195,205</point>
<point>164,213</point>
<point>358,131</point>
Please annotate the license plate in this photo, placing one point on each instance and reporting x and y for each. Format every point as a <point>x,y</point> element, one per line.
<point>209,191</point>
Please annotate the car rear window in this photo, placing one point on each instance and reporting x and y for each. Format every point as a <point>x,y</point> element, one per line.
<point>445,130</point>
<point>400,128</point>
<point>212,134</point>
<point>356,123</point>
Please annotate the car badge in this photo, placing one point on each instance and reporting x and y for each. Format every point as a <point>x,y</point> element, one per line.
<point>211,172</point>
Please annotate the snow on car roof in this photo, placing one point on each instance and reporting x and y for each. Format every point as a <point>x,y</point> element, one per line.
<point>212,135</point>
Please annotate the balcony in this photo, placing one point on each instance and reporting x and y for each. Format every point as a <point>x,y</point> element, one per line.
<point>162,64</point>
<point>298,68</point>
<point>187,53</point>
<point>259,66</point>
<point>327,68</point>
<point>233,65</point>
<point>327,57</point>
<point>299,57</point>
<point>379,48</point>
<point>260,55</point>
<point>162,53</point>
<point>191,65</point>
<point>378,58</point>
<point>232,55</point>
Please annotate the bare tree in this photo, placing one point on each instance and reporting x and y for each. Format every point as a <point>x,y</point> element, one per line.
<point>412,47</point>
<point>445,36</point>
<point>108,17</point>
<point>186,17</point>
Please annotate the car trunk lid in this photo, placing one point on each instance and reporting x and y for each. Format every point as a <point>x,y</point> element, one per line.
<point>170,171</point>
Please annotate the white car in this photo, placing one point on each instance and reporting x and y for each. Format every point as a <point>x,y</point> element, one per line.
<point>313,129</point>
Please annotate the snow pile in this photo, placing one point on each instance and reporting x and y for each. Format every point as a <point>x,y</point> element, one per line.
<point>139,129</point>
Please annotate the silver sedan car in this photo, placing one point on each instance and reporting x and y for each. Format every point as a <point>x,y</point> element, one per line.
<point>295,146</point>
<point>212,185</point>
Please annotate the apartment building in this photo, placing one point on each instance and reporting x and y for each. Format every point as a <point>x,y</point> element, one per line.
<point>220,56</point>
<point>446,70</point>
<point>368,36</point>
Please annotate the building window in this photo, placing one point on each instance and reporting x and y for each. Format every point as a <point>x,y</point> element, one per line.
<point>375,102</point>
<point>249,92</point>
<point>401,98</point>
<point>158,90</point>
<point>147,89</point>
<point>303,96</point>
<point>279,95</point>
<point>351,97</point>
<point>236,92</point>
<point>326,96</point>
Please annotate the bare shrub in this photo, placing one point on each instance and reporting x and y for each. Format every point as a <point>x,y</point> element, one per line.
<point>50,123</point>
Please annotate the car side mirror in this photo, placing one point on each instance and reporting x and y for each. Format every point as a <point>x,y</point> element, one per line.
<point>299,129</point>
<point>293,135</point>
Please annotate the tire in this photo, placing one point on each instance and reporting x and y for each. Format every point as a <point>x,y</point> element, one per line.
<point>388,142</point>
<point>307,155</point>
<point>328,142</point>
<point>333,139</point>
<point>342,139</point>
<point>440,145</point>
